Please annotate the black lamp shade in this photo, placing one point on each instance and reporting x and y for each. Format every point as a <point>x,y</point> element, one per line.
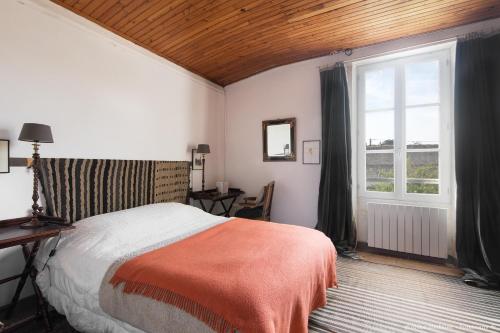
<point>203,149</point>
<point>32,132</point>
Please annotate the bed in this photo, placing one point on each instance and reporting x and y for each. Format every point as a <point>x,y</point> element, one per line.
<point>124,210</point>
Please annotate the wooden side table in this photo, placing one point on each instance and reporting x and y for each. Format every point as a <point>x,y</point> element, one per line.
<point>214,196</point>
<point>11,235</point>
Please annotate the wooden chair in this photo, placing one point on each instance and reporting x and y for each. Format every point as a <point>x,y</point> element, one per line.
<point>268,201</point>
<point>254,210</point>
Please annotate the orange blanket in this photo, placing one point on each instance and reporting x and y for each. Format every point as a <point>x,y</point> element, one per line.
<point>252,276</point>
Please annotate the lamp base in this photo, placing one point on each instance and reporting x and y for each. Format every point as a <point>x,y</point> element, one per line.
<point>33,224</point>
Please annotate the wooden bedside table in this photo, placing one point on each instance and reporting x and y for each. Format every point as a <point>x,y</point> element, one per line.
<point>12,235</point>
<point>214,196</point>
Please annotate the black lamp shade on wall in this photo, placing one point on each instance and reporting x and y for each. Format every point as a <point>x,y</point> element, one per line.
<point>32,132</point>
<point>203,149</point>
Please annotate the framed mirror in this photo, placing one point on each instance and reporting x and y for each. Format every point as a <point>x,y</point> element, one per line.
<point>4,156</point>
<point>278,140</point>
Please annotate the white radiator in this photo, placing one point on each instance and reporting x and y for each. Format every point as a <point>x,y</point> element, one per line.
<point>410,229</point>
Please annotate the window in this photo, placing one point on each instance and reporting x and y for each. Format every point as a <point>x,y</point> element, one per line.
<point>403,125</point>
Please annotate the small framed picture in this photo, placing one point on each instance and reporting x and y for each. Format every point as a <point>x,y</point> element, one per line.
<point>311,151</point>
<point>4,156</point>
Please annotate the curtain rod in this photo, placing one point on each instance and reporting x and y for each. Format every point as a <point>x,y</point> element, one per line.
<point>468,35</point>
<point>409,48</point>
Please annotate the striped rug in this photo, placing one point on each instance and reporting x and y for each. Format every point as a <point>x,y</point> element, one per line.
<point>380,298</point>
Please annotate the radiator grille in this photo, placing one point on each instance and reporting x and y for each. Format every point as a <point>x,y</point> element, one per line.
<point>410,229</point>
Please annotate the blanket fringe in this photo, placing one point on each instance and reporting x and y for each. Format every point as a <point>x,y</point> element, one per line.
<point>213,320</point>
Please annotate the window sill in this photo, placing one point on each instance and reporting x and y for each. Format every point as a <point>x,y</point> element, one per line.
<point>434,201</point>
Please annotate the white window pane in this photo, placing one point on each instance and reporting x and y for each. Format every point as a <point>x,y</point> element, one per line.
<point>422,127</point>
<point>379,89</point>
<point>423,165</point>
<point>422,83</point>
<point>422,172</point>
<point>379,130</point>
<point>380,172</point>
<point>413,186</point>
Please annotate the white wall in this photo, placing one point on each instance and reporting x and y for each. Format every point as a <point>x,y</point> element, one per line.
<point>289,91</point>
<point>294,91</point>
<point>103,96</point>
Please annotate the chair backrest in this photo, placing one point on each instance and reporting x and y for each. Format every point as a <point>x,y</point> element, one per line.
<point>268,201</point>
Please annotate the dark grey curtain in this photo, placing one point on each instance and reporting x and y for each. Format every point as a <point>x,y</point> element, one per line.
<point>477,151</point>
<point>335,202</point>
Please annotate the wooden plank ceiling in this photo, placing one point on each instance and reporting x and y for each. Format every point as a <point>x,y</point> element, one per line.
<point>229,40</point>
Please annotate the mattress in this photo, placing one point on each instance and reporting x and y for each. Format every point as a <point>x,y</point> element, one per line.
<point>72,277</point>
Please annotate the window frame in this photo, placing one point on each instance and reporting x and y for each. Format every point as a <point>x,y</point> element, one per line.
<point>442,53</point>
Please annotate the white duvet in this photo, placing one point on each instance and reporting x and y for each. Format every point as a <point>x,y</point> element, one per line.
<point>72,277</point>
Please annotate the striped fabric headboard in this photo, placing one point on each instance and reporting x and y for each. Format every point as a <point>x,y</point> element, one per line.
<point>78,188</point>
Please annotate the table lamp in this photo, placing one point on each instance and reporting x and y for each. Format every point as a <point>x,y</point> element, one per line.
<point>35,133</point>
<point>203,149</point>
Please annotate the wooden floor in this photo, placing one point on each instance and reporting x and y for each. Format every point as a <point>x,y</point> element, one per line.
<point>27,307</point>
<point>412,264</point>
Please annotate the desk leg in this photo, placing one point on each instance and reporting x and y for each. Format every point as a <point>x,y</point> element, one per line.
<point>212,207</point>
<point>202,205</point>
<point>228,210</point>
<point>24,276</point>
<point>205,208</point>
<point>42,307</point>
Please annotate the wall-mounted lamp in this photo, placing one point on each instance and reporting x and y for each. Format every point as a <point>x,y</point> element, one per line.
<point>202,149</point>
<point>4,156</point>
<point>36,133</point>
